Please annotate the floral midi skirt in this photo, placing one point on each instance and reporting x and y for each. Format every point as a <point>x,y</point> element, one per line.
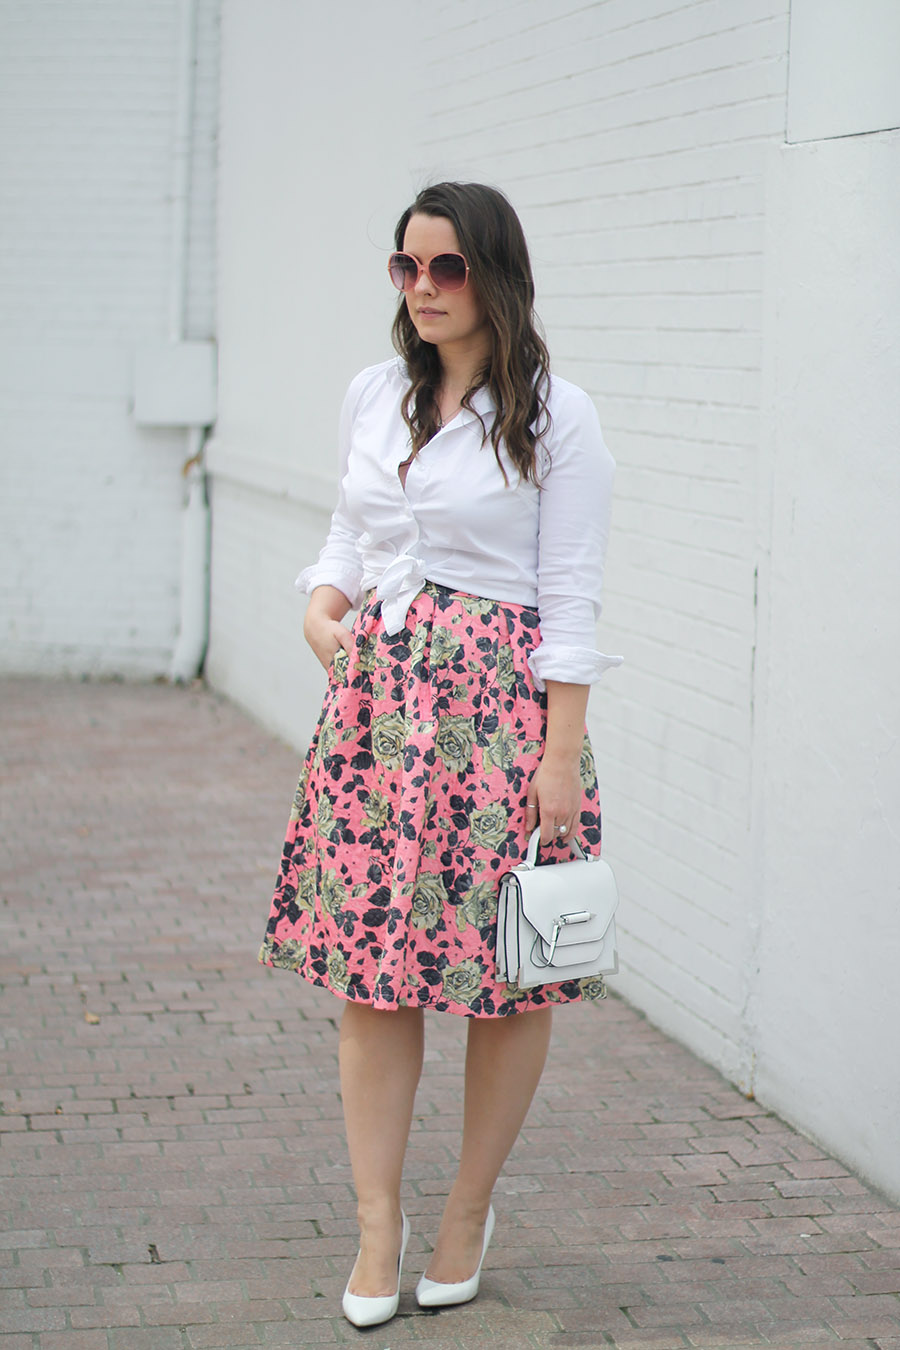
<point>411,806</point>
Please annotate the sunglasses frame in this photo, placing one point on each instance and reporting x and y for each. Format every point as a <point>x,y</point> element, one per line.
<point>425,267</point>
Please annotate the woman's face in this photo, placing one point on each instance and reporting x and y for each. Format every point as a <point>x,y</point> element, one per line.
<point>440,316</point>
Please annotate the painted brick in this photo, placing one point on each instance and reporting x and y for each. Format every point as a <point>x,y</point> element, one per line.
<point>90,524</point>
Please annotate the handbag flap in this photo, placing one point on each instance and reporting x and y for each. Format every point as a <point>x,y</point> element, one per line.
<point>553,890</point>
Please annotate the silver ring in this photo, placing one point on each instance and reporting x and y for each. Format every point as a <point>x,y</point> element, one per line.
<point>530,806</point>
<point>561,829</point>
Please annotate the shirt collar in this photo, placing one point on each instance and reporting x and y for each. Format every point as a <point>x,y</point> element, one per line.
<point>482,402</point>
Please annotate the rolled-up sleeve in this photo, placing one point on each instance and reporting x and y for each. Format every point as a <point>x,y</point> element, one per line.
<point>339,563</point>
<point>575,503</point>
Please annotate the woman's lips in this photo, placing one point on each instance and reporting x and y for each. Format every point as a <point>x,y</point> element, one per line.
<point>431,313</point>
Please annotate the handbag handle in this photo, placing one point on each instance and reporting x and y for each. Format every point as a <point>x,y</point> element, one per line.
<point>534,844</point>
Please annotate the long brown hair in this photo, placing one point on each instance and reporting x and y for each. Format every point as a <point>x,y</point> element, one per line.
<point>517,372</point>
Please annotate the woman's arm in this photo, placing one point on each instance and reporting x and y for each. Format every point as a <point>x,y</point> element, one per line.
<point>554,793</point>
<point>574,525</point>
<point>575,502</point>
<point>322,626</point>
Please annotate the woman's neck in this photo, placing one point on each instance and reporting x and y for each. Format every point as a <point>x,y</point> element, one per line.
<point>461,366</point>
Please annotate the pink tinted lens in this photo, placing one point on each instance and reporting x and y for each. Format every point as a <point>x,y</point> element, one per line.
<point>448,271</point>
<point>404,271</point>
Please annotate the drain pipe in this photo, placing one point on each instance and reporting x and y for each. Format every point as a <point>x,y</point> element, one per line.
<point>190,649</point>
<point>181,166</point>
<point>193,633</point>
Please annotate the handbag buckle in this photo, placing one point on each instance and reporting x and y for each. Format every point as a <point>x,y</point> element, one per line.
<point>574,916</point>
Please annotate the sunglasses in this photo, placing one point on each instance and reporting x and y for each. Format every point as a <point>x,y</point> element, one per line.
<point>445,271</point>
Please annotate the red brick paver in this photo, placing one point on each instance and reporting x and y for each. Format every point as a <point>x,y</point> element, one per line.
<point>171,1159</point>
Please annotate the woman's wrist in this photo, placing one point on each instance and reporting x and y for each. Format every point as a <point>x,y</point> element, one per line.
<point>563,756</point>
<point>566,708</point>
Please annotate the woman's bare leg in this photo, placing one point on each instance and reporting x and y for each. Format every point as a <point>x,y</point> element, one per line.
<point>380,1061</point>
<point>504,1061</point>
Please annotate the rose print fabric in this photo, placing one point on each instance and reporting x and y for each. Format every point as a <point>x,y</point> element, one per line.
<point>411,806</point>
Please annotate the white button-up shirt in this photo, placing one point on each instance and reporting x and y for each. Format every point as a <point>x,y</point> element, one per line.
<point>459,524</point>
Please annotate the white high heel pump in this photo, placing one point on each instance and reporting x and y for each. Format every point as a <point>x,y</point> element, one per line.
<point>363,1311</point>
<point>433,1294</point>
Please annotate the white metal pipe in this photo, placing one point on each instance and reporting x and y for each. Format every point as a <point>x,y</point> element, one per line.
<point>190,649</point>
<point>181,167</point>
<point>193,631</point>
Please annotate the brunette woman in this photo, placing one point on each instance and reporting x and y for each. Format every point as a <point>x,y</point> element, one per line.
<point>470,531</point>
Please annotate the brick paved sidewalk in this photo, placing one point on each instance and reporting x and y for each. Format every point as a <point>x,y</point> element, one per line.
<point>172,1166</point>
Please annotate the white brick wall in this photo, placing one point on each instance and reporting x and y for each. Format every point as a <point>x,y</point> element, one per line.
<point>254,555</point>
<point>314,172</point>
<point>89,532</point>
<point>826,764</point>
<point>632,139</point>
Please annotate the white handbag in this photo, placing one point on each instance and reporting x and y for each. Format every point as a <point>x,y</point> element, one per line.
<point>556,923</point>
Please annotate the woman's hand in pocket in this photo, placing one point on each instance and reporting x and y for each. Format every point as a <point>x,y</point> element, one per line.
<point>322,626</point>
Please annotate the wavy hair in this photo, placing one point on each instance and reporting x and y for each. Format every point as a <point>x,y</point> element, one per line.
<point>517,372</point>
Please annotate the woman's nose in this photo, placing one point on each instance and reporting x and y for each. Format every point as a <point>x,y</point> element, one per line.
<point>424,285</point>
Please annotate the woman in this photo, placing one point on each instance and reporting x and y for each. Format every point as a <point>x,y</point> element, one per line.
<point>471,527</point>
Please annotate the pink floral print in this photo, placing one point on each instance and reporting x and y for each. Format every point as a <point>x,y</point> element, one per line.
<point>411,806</point>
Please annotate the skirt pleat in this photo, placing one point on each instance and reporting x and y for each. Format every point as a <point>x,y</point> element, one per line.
<point>411,806</point>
